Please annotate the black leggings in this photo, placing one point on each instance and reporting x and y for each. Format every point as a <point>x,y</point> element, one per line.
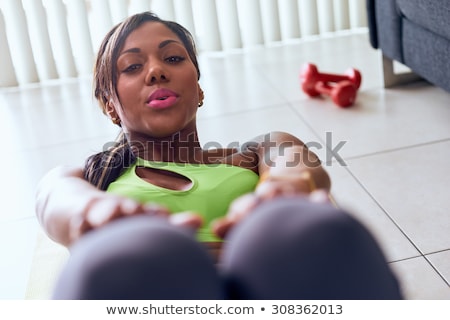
<point>287,248</point>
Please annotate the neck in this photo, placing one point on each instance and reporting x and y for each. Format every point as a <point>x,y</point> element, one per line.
<point>182,148</point>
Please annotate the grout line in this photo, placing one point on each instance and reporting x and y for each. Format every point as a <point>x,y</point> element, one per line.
<point>418,256</point>
<point>363,156</point>
<point>405,259</point>
<point>439,251</point>
<point>63,143</point>
<point>307,124</point>
<point>436,269</point>
<point>235,113</point>
<point>423,255</point>
<point>291,106</point>
<point>18,220</point>
<point>384,210</point>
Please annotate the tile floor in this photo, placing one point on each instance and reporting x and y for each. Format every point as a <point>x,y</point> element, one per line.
<point>388,155</point>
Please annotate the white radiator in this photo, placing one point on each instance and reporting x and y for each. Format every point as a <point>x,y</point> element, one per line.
<point>50,39</point>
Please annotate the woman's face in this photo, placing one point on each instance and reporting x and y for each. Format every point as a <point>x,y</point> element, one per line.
<point>157,84</point>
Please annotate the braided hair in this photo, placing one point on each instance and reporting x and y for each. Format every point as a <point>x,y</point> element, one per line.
<point>104,167</point>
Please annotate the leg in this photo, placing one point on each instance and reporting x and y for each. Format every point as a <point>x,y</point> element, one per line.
<point>290,248</point>
<point>392,78</point>
<point>139,258</point>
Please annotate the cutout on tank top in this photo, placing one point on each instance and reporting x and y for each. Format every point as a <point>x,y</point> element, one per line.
<point>165,179</point>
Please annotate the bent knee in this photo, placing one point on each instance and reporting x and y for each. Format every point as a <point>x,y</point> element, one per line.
<point>139,257</point>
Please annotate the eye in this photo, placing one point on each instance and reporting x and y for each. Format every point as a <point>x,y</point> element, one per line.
<point>132,68</point>
<point>175,59</point>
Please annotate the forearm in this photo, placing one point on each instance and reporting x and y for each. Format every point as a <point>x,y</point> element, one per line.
<point>63,196</point>
<point>286,167</point>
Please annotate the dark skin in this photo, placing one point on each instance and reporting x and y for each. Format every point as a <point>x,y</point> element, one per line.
<point>147,64</point>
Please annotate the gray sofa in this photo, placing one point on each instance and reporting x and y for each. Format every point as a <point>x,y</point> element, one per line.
<point>415,33</point>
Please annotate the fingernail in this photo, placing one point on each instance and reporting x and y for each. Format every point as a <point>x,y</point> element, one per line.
<point>129,206</point>
<point>319,196</point>
<point>154,208</point>
<point>190,219</point>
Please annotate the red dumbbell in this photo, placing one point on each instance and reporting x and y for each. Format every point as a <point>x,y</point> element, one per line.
<point>342,93</point>
<point>315,83</point>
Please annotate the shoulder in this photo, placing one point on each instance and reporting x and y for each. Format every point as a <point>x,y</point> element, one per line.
<point>53,176</point>
<point>64,171</point>
<point>274,138</point>
<point>241,157</point>
<point>249,153</point>
<point>268,146</point>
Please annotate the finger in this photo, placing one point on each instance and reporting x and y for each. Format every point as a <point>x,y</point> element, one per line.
<point>221,227</point>
<point>128,206</point>
<point>155,209</point>
<point>77,227</point>
<point>100,213</point>
<point>319,196</point>
<point>186,219</point>
<point>243,205</point>
<point>272,189</point>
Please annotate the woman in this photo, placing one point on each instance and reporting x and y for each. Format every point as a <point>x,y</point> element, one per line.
<point>138,216</point>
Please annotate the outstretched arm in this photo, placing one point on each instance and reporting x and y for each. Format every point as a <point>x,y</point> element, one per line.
<point>286,160</point>
<point>63,200</point>
<point>67,206</point>
<point>286,167</point>
<point>60,197</point>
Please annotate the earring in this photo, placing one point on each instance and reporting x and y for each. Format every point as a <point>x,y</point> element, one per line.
<point>115,121</point>
<point>201,97</point>
<point>111,112</point>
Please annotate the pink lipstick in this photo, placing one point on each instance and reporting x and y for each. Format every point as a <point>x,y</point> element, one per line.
<point>162,98</point>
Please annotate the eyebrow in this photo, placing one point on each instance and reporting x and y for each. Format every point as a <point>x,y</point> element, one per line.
<point>166,42</point>
<point>160,46</point>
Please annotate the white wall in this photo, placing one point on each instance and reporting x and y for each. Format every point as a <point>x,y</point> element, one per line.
<point>50,39</point>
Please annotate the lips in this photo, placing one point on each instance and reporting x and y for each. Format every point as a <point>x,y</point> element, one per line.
<point>162,98</point>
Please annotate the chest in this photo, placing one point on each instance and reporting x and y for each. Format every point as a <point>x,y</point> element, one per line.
<point>177,180</point>
<point>166,179</point>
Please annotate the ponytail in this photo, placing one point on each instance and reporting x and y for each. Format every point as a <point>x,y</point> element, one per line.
<point>105,167</point>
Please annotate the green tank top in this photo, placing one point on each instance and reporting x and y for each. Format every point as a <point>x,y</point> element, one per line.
<point>214,187</point>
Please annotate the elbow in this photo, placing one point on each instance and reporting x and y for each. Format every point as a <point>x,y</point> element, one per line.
<point>322,179</point>
<point>47,186</point>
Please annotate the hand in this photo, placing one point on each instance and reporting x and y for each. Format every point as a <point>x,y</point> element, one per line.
<point>109,207</point>
<point>281,182</point>
<point>239,208</point>
<point>244,205</point>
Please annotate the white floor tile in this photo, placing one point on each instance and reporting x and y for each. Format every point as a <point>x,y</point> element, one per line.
<point>441,261</point>
<point>412,187</point>
<point>383,119</point>
<point>281,66</point>
<point>40,117</point>
<point>17,243</point>
<point>350,195</point>
<point>26,168</point>
<point>234,92</point>
<point>419,281</point>
<point>242,127</point>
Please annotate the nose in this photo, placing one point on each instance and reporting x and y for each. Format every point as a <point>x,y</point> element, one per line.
<point>156,74</point>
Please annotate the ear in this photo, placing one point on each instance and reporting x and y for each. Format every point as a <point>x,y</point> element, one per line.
<point>111,112</point>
